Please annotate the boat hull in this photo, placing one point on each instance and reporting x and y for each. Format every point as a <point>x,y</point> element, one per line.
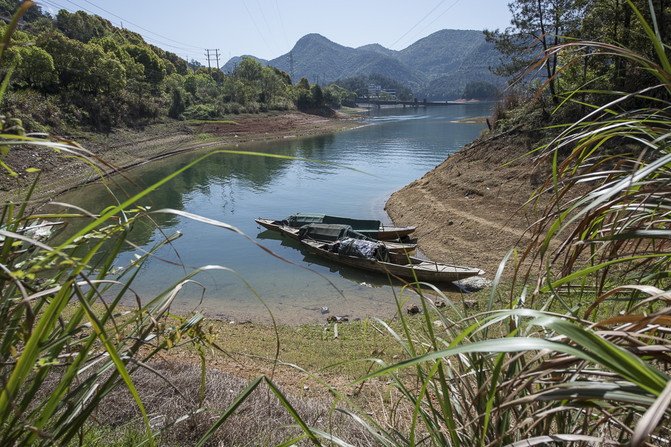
<point>403,266</point>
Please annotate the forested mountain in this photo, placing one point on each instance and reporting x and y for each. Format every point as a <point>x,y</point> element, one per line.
<point>436,67</point>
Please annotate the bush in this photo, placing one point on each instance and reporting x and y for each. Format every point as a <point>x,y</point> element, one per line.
<point>201,112</point>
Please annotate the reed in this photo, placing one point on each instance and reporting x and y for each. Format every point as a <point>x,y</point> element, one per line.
<point>581,354</point>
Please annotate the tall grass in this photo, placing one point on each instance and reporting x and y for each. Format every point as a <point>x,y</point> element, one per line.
<point>66,344</point>
<point>581,353</point>
<point>590,369</point>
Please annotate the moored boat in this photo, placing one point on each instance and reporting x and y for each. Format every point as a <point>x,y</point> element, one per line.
<point>395,264</point>
<point>328,233</point>
<point>373,229</point>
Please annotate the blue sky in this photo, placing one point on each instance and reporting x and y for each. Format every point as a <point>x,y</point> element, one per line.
<point>270,28</point>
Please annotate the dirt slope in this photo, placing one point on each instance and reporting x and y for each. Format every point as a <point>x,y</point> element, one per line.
<point>469,210</point>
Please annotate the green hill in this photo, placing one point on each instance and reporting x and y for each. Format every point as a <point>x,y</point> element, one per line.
<point>437,67</point>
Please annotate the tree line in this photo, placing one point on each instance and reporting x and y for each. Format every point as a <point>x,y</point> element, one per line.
<point>538,26</point>
<point>77,69</point>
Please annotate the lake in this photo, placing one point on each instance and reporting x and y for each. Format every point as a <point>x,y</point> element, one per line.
<point>350,173</point>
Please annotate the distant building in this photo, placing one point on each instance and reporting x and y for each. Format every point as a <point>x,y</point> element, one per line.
<point>376,91</point>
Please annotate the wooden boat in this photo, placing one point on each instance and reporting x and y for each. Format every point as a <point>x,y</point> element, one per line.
<point>337,232</point>
<point>395,264</point>
<point>370,228</point>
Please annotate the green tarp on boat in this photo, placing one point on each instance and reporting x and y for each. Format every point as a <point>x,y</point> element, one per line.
<point>329,232</point>
<point>370,228</point>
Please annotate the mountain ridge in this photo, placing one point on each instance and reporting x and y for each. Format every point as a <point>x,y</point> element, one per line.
<point>436,67</point>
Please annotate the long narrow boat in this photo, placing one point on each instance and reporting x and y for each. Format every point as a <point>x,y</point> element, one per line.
<point>371,228</point>
<point>399,265</point>
<point>329,233</point>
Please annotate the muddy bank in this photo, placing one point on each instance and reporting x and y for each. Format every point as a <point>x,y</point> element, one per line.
<point>470,209</point>
<point>125,148</point>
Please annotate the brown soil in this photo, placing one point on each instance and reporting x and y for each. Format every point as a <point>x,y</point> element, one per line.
<point>470,209</point>
<point>125,148</point>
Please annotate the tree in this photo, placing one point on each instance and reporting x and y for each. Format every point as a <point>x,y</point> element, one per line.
<point>536,25</point>
<point>9,7</point>
<point>35,66</point>
<point>317,95</point>
<point>84,68</point>
<point>81,26</point>
<point>178,104</point>
<point>154,68</point>
<point>248,70</point>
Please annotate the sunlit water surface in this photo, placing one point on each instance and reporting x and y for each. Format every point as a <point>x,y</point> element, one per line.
<point>394,148</point>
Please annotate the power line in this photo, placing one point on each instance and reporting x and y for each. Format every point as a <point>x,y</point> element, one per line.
<point>184,47</point>
<point>417,24</point>
<point>263,16</point>
<point>284,30</point>
<point>437,17</point>
<point>251,16</point>
<point>144,29</point>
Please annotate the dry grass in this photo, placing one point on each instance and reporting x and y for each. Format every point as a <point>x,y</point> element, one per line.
<point>259,421</point>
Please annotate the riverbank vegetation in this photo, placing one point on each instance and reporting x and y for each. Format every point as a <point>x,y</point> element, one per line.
<point>77,71</point>
<point>573,352</point>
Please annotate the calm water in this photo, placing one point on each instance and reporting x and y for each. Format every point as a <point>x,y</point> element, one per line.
<point>397,147</point>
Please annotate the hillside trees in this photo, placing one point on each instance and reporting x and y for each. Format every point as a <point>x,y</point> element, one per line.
<point>536,25</point>
<point>480,90</point>
<point>91,73</point>
<point>359,85</point>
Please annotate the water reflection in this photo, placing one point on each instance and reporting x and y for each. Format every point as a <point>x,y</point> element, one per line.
<point>236,188</point>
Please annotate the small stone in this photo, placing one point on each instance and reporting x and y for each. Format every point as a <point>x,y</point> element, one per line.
<point>440,303</point>
<point>325,310</point>
<point>413,310</point>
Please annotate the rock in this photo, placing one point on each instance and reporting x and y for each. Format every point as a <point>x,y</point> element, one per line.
<point>473,284</point>
<point>440,304</point>
<point>413,310</point>
<point>336,319</point>
<point>325,310</point>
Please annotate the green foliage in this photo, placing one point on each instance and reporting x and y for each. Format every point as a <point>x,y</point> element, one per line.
<point>154,67</point>
<point>9,7</point>
<point>103,77</point>
<point>480,90</point>
<point>81,26</point>
<point>359,85</point>
<point>178,103</point>
<point>200,112</point>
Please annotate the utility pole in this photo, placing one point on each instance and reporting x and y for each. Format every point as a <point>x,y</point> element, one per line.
<point>212,57</point>
<point>209,68</point>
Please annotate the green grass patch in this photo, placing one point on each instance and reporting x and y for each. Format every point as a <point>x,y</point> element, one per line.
<point>195,121</point>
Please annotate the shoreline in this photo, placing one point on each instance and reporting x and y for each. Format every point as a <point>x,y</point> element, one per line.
<point>125,149</point>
